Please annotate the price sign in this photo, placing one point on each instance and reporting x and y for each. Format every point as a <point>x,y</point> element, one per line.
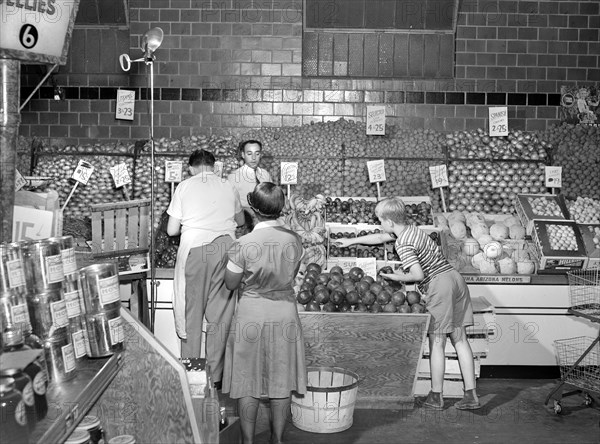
<point>498,121</point>
<point>173,171</point>
<point>439,176</point>
<point>289,173</point>
<point>369,266</point>
<point>346,263</point>
<point>553,177</point>
<point>125,104</point>
<point>20,182</point>
<point>218,168</point>
<point>83,172</point>
<point>376,170</point>
<point>376,120</point>
<point>120,175</point>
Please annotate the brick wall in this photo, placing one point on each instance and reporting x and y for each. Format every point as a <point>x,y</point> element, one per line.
<point>226,66</point>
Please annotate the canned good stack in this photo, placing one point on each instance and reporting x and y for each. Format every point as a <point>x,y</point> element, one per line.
<point>88,431</point>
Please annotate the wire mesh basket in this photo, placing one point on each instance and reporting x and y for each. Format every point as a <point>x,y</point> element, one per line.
<point>586,374</point>
<point>584,290</point>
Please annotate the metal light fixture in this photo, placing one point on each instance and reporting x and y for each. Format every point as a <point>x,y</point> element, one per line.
<point>151,41</point>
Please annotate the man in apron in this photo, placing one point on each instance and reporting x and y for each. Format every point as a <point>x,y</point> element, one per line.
<point>205,209</point>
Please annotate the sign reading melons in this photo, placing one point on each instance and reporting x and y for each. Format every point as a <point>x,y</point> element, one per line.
<point>498,121</point>
<point>553,177</point>
<point>376,120</point>
<point>376,170</point>
<point>37,30</point>
<point>289,173</point>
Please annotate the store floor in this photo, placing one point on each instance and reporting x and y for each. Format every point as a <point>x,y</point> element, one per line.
<point>513,409</point>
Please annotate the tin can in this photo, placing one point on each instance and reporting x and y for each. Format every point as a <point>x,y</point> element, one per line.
<point>67,252</point>
<point>91,424</point>
<point>48,312</point>
<point>24,385</point>
<point>60,358</point>
<point>122,439</point>
<point>76,317</point>
<point>105,332</point>
<point>99,284</point>
<point>43,265</point>
<point>12,413</point>
<point>14,311</point>
<point>79,436</point>
<point>39,383</point>
<point>13,287</point>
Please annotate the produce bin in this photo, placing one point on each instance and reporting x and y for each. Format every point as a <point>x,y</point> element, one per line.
<point>554,257</point>
<point>554,208</point>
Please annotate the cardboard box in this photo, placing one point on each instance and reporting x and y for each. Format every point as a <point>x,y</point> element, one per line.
<point>527,214</point>
<point>592,249</point>
<point>551,259</point>
<point>199,377</point>
<point>36,215</point>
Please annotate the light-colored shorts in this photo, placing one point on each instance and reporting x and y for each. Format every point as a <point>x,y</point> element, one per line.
<point>448,301</point>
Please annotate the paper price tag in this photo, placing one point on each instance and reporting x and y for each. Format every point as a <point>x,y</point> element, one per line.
<point>125,104</point>
<point>289,173</point>
<point>498,121</point>
<point>369,266</point>
<point>376,170</point>
<point>439,176</point>
<point>553,177</point>
<point>173,171</point>
<point>218,168</point>
<point>82,172</point>
<point>20,182</point>
<point>376,120</point>
<point>120,175</point>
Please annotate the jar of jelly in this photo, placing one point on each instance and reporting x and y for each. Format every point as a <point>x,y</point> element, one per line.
<point>13,419</point>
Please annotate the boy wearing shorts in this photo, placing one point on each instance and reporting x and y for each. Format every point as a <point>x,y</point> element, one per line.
<point>445,294</point>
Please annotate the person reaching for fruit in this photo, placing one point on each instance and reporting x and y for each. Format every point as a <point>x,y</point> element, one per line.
<point>265,348</point>
<point>445,294</point>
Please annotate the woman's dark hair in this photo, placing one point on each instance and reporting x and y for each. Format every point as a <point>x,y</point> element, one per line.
<point>267,200</point>
<point>243,144</point>
<point>201,157</point>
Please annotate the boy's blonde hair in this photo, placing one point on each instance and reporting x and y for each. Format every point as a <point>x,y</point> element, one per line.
<point>391,208</point>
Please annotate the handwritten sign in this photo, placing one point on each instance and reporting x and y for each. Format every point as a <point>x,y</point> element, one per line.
<point>20,181</point>
<point>376,170</point>
<point>375,120</point>
<point>345,263</point>
<point>31,223</point>
<point>218,168</point>
<point>82,172</point>
<point>553,176</point>
<point>120,175</point>
<point>173,171</point>
<point>439,176</point>
<point>369,266</point>
<point>498,121</point>
<point>125,104</point>
<point>289,173</point>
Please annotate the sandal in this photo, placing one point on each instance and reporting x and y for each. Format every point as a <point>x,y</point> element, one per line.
<point>431,403</point>
<point>470,404</point>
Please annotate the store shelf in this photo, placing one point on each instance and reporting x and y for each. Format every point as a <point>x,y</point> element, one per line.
<point>69,401</point>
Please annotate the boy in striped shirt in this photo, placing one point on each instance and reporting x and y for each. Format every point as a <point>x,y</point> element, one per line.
<point>445,294</point>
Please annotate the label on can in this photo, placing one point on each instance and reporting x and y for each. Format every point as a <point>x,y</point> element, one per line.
<point>68,260</point>
<point>108,289</point>
<point>79,344</point>
<point>73,306</point>
<point>16,275</point>
<point>27,394</point>
<point>60,318</point>
<point>68,357</point>
<point>20,314</point>
<point>116,330</point>
<point>39,383</point>
<point>20,415</point>
<point>54,268</point>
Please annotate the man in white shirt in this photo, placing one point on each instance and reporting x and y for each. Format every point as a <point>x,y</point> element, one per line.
<point>245,178</point>
<point>205,209</point>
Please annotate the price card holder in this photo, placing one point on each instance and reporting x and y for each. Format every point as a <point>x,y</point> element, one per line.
<point>173,171</point>
<point>376,173</point>
<point>553,177</point>
<point>498,121</point>
<point>439,179</point>
<point>218,168</point>
<point>20,181</point>
<point>369,266</point>
<point>82,172</point>
<point>375,120</point>
<point>289,175</point>
<point>125,104</point>
<point>120,175</point>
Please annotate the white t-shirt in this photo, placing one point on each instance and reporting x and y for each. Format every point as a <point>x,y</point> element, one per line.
<point>244,180</point>
<point>207,202</point>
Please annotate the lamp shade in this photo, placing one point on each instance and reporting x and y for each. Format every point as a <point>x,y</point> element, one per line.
<point>152,40</point>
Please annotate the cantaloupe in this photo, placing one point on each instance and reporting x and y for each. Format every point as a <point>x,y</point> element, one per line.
<point>507,266</point>
<point>520,255</point>
<point>474,219</point>
<point>516,232</point>
<point>458,230</point>
<point>525,267</point>
<point>470,246</point>
<point>440,221</point>
<point>499,231</point>
<point>493,250</point>
<point>457,216</point>
<point>511,220</point>
<point>484,240</point>
<point>479,230</point>
<point>477,259</point>
<point>488,267</point>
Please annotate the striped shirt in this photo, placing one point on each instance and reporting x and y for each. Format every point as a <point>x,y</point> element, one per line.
<point>414,246</point>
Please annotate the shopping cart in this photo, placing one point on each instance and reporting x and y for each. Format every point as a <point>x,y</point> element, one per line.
<point>579,357</point>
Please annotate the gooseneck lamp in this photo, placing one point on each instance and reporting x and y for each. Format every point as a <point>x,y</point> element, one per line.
<point>151,41</point>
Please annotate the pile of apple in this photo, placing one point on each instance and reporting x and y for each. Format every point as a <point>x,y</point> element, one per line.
<point>354,250</point>
<point>336,291</point>
<point>544,206</point>
<point>584,210</point>
<point>477,144</point>
<point>356,211</point>
<point>562,237</point>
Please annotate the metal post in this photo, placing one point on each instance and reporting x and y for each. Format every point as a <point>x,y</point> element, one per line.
<point>150,61</point>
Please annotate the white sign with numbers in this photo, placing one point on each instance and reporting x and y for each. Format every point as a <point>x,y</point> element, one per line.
<point>289,173</point>
<point>498,121</point>
<point>20,181</point>
<point>375,120</point>
<point>120,175</point>
<point>173,171</point>
<point>553,177</point>
<point>125,104</point>
<point>83,172</point>
<point>439,176</point>
<point>376,170</point>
